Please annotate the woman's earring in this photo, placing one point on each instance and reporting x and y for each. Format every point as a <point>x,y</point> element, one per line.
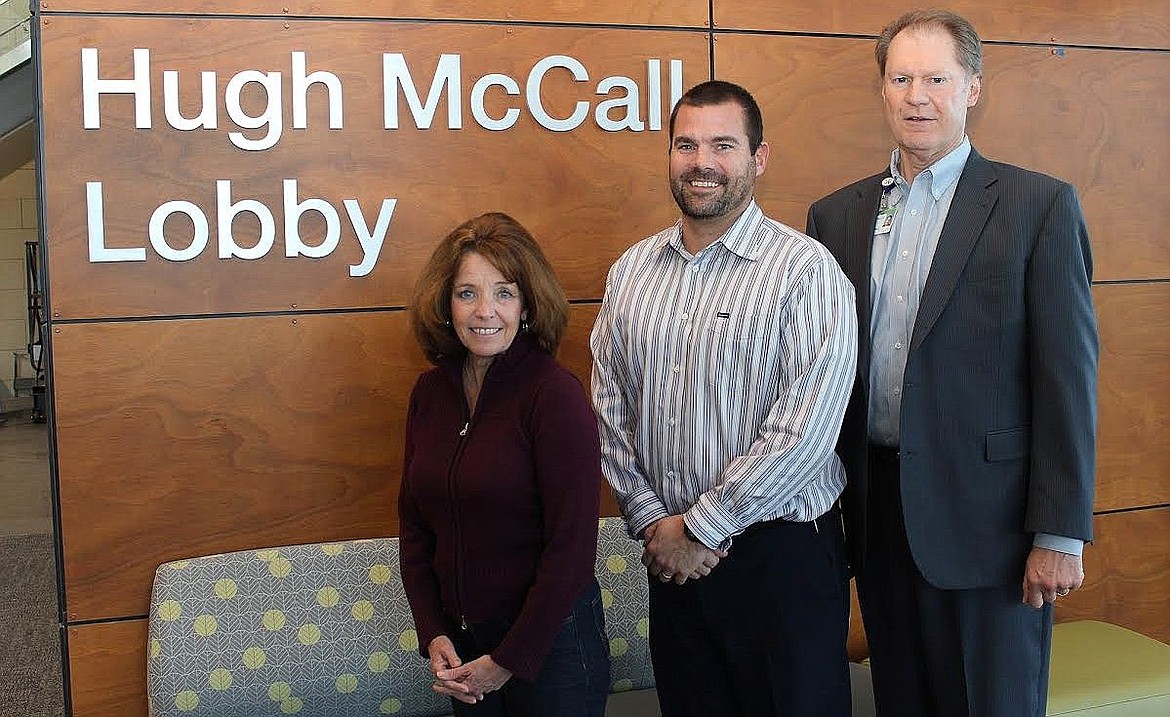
<point>523,325</point>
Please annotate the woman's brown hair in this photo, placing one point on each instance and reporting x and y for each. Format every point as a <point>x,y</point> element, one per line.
<point>514,253</point>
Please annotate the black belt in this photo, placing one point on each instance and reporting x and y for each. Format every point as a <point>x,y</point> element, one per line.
<point>778,522</point>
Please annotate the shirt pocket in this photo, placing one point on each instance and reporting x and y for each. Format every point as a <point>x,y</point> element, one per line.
<point>727,326</point>
<point>731,347</point>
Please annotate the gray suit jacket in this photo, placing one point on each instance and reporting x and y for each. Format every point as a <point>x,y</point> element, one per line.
<point>998,418</point>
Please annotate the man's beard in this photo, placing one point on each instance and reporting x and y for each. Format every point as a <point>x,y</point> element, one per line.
<point>734,192</point>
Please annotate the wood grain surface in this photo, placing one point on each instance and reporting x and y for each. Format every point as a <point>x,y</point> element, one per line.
<point>1084,117</point>
<point>1127,572</point>
<point>1138,23</point>
<point>107,669</point>
<point>192,437</point>
<point>690,13</point>
<point>1133,455</point>
<point>199,436</point>
<point>583,193</point>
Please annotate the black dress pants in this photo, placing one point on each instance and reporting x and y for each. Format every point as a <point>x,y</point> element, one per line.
<point>764,634</point>
<point>943,653</point>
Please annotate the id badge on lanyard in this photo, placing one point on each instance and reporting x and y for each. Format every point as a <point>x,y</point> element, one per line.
<point>888,208</point>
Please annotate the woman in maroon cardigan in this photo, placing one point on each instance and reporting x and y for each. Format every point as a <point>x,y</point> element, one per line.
<point>499,502</point>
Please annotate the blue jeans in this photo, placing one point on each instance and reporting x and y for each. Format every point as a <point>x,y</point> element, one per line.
<point>574,679</point>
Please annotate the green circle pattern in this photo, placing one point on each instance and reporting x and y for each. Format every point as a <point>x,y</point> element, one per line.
<point>247,633</point>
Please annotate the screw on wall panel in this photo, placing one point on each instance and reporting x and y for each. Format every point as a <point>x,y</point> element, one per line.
<point>286,26</point>
<point>294,321</point>
<point>293,305</point>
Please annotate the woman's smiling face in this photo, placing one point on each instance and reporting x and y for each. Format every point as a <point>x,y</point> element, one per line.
<point>486,308</point>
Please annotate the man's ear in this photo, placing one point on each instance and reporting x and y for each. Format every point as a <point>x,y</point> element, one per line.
<point>761,157</point>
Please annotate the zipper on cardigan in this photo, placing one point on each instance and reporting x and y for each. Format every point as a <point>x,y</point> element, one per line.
<point>455,515</point>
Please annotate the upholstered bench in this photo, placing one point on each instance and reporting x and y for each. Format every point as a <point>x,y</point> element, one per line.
<point>325,629</point>
<point>1102,670</point>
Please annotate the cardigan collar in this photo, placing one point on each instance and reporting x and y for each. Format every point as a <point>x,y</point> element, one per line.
<point>502,366</point>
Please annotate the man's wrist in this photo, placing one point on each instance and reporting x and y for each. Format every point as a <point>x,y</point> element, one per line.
<point>690,536</point>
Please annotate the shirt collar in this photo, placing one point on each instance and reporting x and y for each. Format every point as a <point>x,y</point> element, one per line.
<point>942,174</point>
<point>740,238</point>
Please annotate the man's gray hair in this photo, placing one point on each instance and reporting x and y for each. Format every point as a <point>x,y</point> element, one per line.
<point>968,47</point>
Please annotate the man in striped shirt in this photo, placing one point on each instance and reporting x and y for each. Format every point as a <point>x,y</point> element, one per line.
<point>724,355</point>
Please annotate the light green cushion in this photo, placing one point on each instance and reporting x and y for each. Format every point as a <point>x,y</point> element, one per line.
<point>1102,670</point>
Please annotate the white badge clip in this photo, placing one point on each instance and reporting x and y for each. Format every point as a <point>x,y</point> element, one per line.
<point>886,212</point>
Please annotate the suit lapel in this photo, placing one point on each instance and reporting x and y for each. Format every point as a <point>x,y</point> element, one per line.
<point>975,196</point>
<point>858,259</point>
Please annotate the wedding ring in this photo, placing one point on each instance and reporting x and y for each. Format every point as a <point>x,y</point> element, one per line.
<point>1062,593</point>
<point>666,576</point>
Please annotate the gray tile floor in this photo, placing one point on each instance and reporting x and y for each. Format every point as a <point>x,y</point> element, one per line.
<point>26,506</point>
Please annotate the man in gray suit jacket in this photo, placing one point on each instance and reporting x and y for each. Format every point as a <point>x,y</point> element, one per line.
<point>969,440</point>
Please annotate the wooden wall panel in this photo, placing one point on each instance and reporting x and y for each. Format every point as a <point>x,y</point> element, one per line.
<point>1076,117</point>
<point>194,437</point>
<point>1136,23</point>
<point>182,438</point>
<point>1133,461</point>
<point>575,354</point>
<point>1127,574</point>
<point>582,188</point>
<point>679,13</point>
<point>1067,116</point>
<point>270,425</point>
<point>822,116</point>
<point>107,669</point>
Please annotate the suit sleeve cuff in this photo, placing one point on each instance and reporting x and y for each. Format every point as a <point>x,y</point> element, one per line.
<point>1059,543</point>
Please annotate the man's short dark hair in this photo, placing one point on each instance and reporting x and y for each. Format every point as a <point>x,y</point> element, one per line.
<point>718,92</point>
<point>968,48</point>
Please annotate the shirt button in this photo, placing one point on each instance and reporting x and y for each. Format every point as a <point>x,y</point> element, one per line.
<point>694,267</point>
<point>672,422</point>
<point>898,345</point>
<point>905,254</point>
<point>676,368</point>
<point>671,474</point>
<point>897,391</point>
<point>913,212</point>
<point>683,316</point>
<point>901,298</point>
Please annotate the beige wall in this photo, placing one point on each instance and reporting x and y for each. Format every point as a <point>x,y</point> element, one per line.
<point>18,224</point>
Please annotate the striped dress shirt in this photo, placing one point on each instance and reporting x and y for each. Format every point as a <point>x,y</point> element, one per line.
<point>720,379</point>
